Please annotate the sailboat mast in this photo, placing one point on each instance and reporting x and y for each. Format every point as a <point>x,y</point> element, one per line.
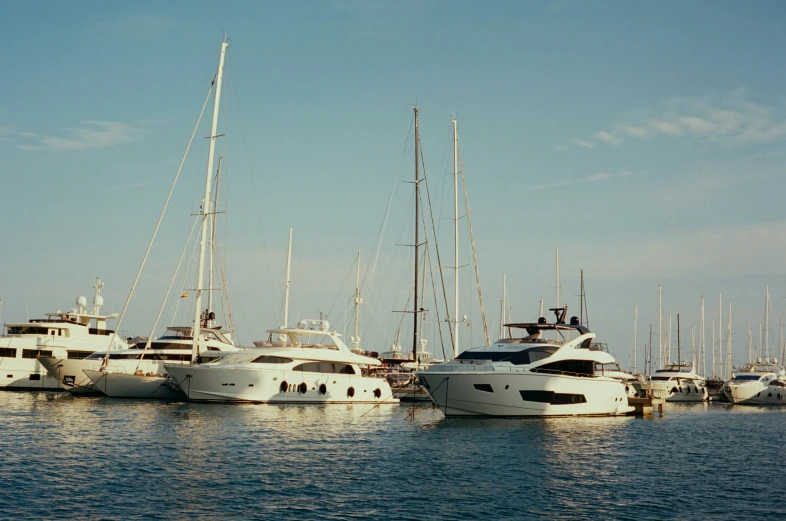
<point>679,351</point>
<point>581,299</point>
<point>455,244</point>
<point>702,341</point>
<point>417,238</point>
<point>206,204</point>
<point>213,244</point>
<point>720,334</point>
<point>767,323</point>
<point>635,328</point>
<point>358,301</point>
<point>288,281</point>
<point>557,287</point>
<point>660,324</point>
<point>503,307</point>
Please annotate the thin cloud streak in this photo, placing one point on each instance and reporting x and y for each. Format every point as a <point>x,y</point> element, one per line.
<point>103,134</point>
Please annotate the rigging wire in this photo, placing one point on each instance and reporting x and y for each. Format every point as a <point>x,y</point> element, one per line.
<point>158,224</point>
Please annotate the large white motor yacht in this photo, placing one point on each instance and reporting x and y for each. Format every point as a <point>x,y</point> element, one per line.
<point>529,376</point>
<point>759,383</point>
<point>68,335</point>
<point>679,383</point>
<point>307,364</point>
<point>146,366</point>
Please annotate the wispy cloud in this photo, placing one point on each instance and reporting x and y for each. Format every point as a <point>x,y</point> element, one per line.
<point>729,119</point>
<point>606,137</point>
<point>129,186</point>
<point>582,143</point>
<point>594,178</point>
<point>95,134</point>
<point>560,148</point>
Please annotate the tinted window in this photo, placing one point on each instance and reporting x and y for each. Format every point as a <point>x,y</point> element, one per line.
<point>746,377</point>
<point>552,397</point>
<point>484,387</point>
<point>7,353</point>
<point>526,356</point>
<point>34,353</point>
<point>568,367</point>
<point>266,359</point>
<point>78,355</point>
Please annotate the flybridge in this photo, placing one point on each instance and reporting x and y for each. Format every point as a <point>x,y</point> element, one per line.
<point>559,325</point>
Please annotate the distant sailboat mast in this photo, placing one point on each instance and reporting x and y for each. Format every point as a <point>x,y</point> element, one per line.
<point>417,238</point>
<point>288,281</point>
<point>206,205</point>
<point>455,244</point>
<point>355,340</point>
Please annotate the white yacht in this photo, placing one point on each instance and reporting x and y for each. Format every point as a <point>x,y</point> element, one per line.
<point>759,383</point>
<point>679,382</point>
<point>68,335</point>
<point>144,363</point>
<point>529,376</point>
<point>306,364</point>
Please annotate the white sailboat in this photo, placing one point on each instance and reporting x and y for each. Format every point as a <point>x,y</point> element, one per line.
<point>116,380</point>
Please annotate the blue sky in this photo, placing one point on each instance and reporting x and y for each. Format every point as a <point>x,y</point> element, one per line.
<point>644,140</point>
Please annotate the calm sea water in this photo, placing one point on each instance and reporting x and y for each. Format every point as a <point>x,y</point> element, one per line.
<point>92,458</point>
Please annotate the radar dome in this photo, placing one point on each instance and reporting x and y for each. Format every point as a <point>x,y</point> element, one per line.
<point>98,301</point>
<point>81,301</point>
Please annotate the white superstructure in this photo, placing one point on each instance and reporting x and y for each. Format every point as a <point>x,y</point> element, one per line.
<point>69,335</point>
<point>759,383</point>
<point>679,382</point>
<point>311,365</point>
<point>173,347</point>
<point>529,376</point>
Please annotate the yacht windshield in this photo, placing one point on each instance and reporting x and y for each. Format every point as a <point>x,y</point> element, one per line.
<point>527,356</point>
<point>746,378</point>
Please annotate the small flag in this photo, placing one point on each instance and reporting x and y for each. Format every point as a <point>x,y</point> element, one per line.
<point>184,295</point>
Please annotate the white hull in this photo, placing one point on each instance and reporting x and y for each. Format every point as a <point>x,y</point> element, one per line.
<point>71,374</point>
<point>25,374</point>
<point>525,394</point>
<point>216,384</point>
<point>678,393</point>
<point>754,393</point>
<point>122,385</point>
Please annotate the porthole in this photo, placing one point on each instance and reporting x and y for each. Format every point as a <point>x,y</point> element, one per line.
<point>507,387</point>
<point>769,395</point>
<point>302,388</point>
<point>351,392</point>
<point>323,389</point>
<point>377,393</point>
<point>283,387</point>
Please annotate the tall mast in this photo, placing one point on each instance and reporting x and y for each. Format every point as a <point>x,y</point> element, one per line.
<point>581,299</point>
<point>668,343</point>
<point>635,330</point>
<point>767,323</point>
<point>417,238</point>
<point>720,333</point>
<point>649,372</point>
<point>206,204</point>
<point>288,281</point>
<point>455,244</point>
<point>503,307</point>
<point>213,223</point>
<point>728,346</point>
<point>557,288</point>
<point>750,344</point>
<point>355,340</point>
<point>713,349</point>
<point>701,333</point>
<point>660,324</point>
<point>540,309</point>
<point>679,351</point>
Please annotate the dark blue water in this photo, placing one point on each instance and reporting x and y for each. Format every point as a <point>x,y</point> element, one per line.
<point>93,458</point>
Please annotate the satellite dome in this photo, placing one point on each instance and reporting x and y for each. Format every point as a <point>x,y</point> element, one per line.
<point>81,301</point>
<point>98,301</point>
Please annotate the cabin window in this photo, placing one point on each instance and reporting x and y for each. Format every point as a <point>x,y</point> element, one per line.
<point>35,376</point>
<point>552,398</point>
<point>567,367</point>
<point>27,330</point>
<point>267,359</point>
<point>324,367</point>
<point>7,353</point>
<point>34,353</point>
<point>484,387</point>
